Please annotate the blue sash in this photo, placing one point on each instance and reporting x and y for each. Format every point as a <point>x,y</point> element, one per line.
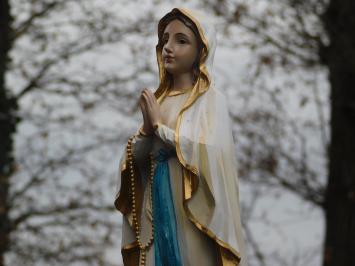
<point>166,248</point>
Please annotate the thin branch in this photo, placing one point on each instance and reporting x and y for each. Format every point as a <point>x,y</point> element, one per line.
<point>28,23</point>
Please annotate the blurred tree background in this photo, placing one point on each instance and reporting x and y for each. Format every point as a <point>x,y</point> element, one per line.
<point>70,76</point>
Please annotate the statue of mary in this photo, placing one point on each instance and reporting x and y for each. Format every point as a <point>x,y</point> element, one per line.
<point>178,187</point>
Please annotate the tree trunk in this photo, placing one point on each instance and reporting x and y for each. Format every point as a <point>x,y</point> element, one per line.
<point>8,121</point>
<point>339,57</point>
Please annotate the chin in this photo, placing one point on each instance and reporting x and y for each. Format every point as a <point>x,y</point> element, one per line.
<point>171,70</point>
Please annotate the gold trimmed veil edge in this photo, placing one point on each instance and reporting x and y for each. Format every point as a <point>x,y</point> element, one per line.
<point>226,255</point>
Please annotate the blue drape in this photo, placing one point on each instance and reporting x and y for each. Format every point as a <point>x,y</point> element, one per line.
<point>166,248</point>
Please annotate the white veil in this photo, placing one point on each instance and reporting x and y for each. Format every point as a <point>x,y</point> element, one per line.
<point>205,149</point>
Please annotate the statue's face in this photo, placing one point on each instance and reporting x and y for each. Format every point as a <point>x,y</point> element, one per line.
<point>179,47</point>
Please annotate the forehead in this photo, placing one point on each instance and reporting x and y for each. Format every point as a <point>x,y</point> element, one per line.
<point>176,26</point>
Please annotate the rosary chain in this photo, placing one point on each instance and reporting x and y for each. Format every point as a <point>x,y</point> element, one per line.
<point>142,247</point>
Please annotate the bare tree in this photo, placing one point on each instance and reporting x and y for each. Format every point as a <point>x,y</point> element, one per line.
<point>74,72</point>
<point>339,57</point>
<point>55,209</point>
<point>7,129</point>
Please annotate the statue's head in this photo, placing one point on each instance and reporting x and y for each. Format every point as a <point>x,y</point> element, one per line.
<point>190,38</point>
<point>180,45</point>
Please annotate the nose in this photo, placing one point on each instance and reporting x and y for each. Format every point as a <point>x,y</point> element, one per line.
<point>167,47</point>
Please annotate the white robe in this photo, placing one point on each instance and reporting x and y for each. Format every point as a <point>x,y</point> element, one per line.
<point>204,174</point>
<point>195,247</point>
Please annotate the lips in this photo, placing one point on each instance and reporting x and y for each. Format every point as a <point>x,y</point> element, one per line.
<point>169,58</point>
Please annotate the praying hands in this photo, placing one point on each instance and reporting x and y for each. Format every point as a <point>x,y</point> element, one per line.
<point>150,111</point>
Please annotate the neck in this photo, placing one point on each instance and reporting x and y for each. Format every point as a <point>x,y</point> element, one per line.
<point>182,81</point>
